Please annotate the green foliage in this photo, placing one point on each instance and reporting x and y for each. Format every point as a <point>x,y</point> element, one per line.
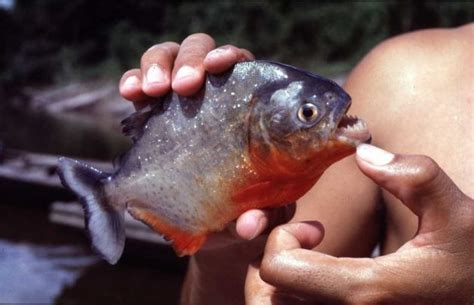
<point>55,40</point>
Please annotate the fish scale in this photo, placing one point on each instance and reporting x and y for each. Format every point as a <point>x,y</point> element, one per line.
<point>198,162</point>
<point>209,156</point>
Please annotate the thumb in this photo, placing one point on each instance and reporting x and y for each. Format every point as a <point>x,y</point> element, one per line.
<point>416,180</point>
<point>288,265</point>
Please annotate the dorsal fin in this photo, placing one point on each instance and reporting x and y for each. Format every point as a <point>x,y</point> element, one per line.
<point>133,125</point>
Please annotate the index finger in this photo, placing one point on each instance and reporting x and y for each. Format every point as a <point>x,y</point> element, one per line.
<point>188,72</point>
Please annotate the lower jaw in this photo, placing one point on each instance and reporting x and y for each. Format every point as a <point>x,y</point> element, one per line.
<point>351,131</point>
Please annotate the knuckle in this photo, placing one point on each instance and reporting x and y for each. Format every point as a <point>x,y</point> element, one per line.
<point>425,172</point>
<point>278,233</point>
<point>230,47</point>
<point>267,267</point>
<point>274,259</point>
<point>129,73</point>
<point>169,47</point>
<point>158,51</point>
<point>152,49</point>
<point>199,37</point>
<point>198,44</point>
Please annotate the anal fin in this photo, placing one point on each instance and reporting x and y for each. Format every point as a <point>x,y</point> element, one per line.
<point>184,243</point>
<point>258,195</point>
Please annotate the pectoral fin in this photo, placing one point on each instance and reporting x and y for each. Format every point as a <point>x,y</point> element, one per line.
<point>270,194</point>
<point>257,195</point>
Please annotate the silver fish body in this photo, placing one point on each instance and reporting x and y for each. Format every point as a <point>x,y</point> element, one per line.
<point>244,141</point>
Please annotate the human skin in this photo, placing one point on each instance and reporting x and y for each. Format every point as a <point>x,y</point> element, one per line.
<point>433,267</point>
<point>422,80</point>
<point>415,93</point>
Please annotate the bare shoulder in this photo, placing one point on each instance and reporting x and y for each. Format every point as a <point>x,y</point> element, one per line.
<point>423,58</point>
<point>412,51</point>
<point>415,91</point>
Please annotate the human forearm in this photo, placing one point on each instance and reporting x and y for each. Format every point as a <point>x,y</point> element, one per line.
<point>214,279</point>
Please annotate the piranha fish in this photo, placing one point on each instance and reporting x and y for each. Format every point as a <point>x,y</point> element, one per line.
<point>257,136</point>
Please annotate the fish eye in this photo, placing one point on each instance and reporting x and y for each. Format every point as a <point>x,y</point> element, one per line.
<point>308,113</point>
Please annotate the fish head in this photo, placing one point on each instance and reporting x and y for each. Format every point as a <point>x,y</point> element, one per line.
<point>299,126</point>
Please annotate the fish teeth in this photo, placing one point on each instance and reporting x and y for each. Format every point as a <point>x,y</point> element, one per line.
<point>357,125</point>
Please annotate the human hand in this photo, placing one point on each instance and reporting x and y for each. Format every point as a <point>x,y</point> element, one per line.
<point>249,226</point>
<point>182,68</point>
<point>435,267</point>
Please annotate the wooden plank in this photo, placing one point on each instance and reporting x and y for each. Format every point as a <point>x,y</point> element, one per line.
<point>36,168</point>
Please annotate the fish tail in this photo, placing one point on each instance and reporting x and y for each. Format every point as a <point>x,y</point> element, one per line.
<point>104,222</point>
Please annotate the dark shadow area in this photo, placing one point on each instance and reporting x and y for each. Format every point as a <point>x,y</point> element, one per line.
<point>146,274</point>
<point>131,281</point>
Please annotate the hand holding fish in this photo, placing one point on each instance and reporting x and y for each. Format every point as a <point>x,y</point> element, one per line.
<point>436,266</point>
<point>168,65</point>
<point>256,136</point>
<point>159,74</point>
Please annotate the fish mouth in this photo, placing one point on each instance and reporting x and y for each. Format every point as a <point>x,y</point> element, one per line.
<point>352,130</point>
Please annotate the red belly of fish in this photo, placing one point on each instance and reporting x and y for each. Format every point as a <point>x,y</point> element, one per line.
<point>274,182</point>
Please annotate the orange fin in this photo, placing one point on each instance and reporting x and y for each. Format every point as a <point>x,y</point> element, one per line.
<point>252,191</point>
<point>256,195</point>
<point>184,243</point>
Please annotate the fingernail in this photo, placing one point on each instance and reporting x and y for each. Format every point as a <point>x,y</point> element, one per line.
<point>374,155</point>
<point>131,81</point>
<point>217,53</point>
<point>258,228</point>
<point>185,72</point>
<point>155,74</point>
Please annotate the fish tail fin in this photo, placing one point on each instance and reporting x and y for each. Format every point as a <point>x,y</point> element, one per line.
<point>104,222</point>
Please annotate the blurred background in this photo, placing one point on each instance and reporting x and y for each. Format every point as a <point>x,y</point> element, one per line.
<point>60,62</point>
